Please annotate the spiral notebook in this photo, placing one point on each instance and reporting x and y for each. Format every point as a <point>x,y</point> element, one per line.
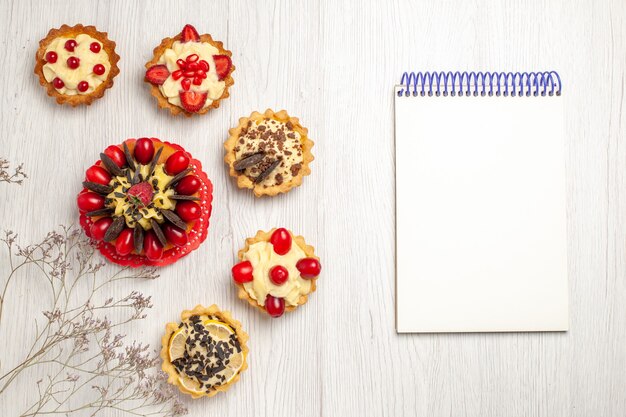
<point>480,203</point>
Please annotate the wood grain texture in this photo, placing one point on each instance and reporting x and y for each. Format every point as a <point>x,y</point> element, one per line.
<point>333,64</point>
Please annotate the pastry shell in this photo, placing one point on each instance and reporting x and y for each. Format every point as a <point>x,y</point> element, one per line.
<point>170,328</point>
<point>262,236</point>
<point>242,180</point>
<point>71,31</point>
<point>162,100</point>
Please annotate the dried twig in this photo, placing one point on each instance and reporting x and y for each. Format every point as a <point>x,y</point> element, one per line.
<point>18,175</point>
<point>93,369</point>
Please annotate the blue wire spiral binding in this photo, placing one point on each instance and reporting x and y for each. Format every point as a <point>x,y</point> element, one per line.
<point>521,84</point>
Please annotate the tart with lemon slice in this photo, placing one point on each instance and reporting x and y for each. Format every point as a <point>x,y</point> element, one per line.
<point>268,152</point>
<point>205,353</point>
<point>145,202</point>
<point>76,64</point>
<point>278,271</point>
<point>190,73</point>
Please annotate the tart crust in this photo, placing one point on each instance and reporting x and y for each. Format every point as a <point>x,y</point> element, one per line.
<point>245,182</point>
<point>262,236</point>
<point>199,310</point>
<point>71,31</point>
<point>162,100</point>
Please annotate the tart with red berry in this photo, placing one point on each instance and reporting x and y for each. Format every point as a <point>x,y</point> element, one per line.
<point>76,64</point>
<point>268,153</point>
<point>145,202</point>
<point>277,272</point>
<point>205,353</point>
<point>190,73</point>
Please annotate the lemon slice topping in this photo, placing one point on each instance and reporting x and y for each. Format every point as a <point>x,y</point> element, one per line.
<point>206,354</point>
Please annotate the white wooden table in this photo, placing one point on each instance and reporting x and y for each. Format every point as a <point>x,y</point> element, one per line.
<point>333,64</point>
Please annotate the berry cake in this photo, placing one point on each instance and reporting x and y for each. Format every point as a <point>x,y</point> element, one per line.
<point>146,202</point>
<point>190,73</point>
<point>205,353</point>
<point>269,153</point>
<point>277,271</point>
<point>76,64</point>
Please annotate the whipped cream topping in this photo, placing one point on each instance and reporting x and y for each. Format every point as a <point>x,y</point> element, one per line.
<point>262,257</point>
<point>181,50</point>
<point>84,72</point>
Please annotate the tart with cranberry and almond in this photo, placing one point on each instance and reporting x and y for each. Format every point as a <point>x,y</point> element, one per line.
<point>268,153</point>
<point>204,353</point>
<point>76,64</point>
<point>277,272</point>
<point>190,73</point>
<point>145,202</point>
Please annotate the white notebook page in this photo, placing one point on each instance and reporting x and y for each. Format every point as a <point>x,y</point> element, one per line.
<point>480,214</point>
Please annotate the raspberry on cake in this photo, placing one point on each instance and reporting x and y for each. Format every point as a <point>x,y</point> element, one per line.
<point>190,73</point>
<point>269,153</point>
<point>146,202</point>
<point>76,64</point>
<point>277,271</point>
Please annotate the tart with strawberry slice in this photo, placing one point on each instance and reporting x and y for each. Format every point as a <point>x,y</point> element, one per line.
<point>268,152</point>
<point>76,64</point>
<point>277,271</point>
<point>190,73</point>
<point>205,353</point>
<point>145,202</point>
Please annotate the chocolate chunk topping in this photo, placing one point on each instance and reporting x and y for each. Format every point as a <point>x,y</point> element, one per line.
<point>138,238</point>
<point>136,177</point>
<point>184,197</point>
<point>174,219</point>
<point>267,171</point>
<point>101,212</point>
<point>129,158</point>
<point>158,232</point>
<point>177,178</point>
<point>115,229</point>
<point>248,161</point>
<point>295,169</point>
<point>97,188</point>
<point>110,165</point>
<point>154,161</point>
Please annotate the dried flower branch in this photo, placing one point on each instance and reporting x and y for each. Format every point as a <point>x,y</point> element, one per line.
<point>92,368</point>
<point>18,175</point>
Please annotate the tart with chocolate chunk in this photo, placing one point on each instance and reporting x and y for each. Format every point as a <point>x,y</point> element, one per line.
<point>205,353</point>
<point>277,272</point>
<point>268,152</point>
<point>76,64</point>
<point>190,73</point>
<point>145,202</point>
